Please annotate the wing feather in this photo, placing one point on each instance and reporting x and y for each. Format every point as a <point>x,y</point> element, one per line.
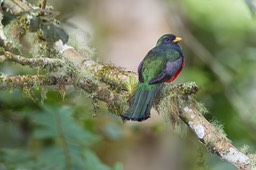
<point>171,68</point>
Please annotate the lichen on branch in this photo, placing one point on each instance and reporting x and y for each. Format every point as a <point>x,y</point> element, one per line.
<point>42,62</point>
<point>10,82</point>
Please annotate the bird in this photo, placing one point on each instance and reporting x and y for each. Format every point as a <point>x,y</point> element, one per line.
<point>162,64</point>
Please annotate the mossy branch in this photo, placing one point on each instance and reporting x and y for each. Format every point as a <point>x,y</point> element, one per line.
<point>210,135</point>
<point>114,85</point>
<point>41,62</point>
<point>10,82</point>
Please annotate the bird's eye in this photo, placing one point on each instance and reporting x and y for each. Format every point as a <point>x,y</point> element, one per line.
<point>167,39</point>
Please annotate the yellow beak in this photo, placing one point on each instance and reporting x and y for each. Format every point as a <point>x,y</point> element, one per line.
<point>177,39</point>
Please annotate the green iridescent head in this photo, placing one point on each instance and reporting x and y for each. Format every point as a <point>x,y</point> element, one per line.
<point>168,39</point>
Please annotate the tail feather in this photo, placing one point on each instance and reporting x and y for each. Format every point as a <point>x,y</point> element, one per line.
<point>141,105</point>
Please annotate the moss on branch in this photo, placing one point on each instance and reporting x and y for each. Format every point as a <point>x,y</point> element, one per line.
<point>42,62</point>
<point>10,82</point>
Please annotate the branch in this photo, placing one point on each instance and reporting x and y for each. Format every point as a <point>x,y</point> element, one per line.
<point>8,82</point>
<point>32,62</point>
<point>91,76</point>
<point>16,6</point>
<point>111,85</point>
<point>212,137</point>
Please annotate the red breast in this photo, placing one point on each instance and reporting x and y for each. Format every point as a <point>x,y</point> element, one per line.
<point>177,73</point>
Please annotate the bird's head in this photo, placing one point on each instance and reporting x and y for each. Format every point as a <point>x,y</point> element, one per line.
<point>168,39</point>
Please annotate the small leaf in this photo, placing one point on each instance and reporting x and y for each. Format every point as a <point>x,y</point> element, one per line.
<point>35,24</point>
<point>53,33</point>
<point>47,125</point>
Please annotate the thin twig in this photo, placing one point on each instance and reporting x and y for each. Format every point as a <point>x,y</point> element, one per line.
<point>32,62</point>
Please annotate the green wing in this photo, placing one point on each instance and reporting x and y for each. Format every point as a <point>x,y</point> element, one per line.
<point>155,62</point>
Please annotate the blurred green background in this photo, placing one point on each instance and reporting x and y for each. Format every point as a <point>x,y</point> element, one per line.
<point>62,132</point>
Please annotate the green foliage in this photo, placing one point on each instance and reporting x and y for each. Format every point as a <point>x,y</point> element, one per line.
<point>52,32</point>
<point>131,85</point>
<point>52,124</point>
<point>16,158</point>
<point>57,142</point>
<point>228,20</point>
